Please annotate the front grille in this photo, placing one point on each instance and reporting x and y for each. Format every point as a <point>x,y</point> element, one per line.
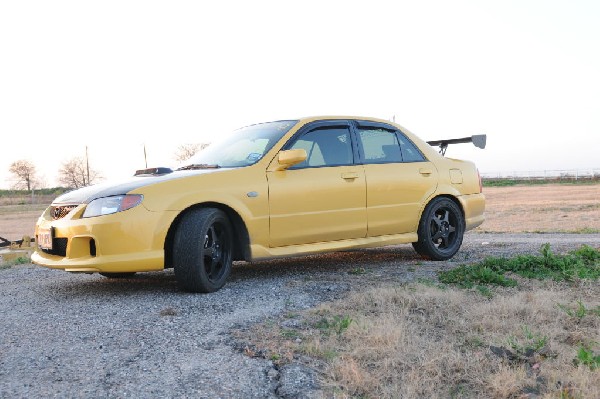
<point>59,212</point>
<point>59,247</point>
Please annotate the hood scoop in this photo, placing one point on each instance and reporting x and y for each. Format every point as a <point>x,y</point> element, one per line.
<point>160,171</point>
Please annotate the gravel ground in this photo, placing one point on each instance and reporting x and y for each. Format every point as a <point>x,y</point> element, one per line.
<point>66,335</point>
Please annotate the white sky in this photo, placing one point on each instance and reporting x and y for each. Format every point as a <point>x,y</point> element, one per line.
<point>115,75</point>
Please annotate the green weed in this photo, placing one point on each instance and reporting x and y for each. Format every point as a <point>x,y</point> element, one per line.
<point>580,310</point>
<point>337,324</point>
<point>470,276</point>
<point>358,271</point>
<point>485,291</point>
<point>587,357</point>
<point>286,333</point>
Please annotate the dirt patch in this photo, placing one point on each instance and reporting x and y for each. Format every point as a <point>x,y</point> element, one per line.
<point>542,209</point>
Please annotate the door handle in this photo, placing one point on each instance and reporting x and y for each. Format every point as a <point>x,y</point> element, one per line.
<point>425,171</point>
<point>350,176</point>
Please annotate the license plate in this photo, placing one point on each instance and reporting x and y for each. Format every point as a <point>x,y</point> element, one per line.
<point>44,239</point>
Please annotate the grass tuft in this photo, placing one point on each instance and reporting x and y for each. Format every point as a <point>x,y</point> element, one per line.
<point>21,260</point>
<point>528,342</point>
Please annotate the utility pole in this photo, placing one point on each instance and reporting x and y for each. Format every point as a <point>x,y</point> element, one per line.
<point>87,166</point>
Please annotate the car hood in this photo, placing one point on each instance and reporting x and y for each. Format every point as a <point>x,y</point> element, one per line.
<point>85,195</point>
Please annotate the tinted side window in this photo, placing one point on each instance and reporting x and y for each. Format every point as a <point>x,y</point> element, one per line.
<point>379,146</point>
<point>410,153</point>
<point>328,146</point>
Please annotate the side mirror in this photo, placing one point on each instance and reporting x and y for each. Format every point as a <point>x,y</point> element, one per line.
<point>289,158</point>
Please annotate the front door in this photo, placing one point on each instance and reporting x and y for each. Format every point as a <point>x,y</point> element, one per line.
<point>323,198</point>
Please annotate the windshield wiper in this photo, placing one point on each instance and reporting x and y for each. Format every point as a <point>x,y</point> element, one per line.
<point>199,166</point>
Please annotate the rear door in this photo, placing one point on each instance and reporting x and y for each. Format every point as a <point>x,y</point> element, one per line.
<point>399,179</point>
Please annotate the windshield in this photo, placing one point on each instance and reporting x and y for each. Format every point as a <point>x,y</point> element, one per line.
<point>243,147</point>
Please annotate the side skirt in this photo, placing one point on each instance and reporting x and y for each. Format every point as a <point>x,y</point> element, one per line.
<point>260,252</point>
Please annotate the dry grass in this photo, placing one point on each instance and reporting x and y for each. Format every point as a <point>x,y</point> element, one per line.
<point>425,341</point>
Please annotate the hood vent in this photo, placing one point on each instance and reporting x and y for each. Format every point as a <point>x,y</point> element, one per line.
<point>153,171</point>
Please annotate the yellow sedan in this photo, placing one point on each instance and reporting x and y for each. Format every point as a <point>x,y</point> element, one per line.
<point>275,189</point>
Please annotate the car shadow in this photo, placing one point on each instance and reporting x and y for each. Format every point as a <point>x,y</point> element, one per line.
<point>345,261</point>
<point>164,282</point>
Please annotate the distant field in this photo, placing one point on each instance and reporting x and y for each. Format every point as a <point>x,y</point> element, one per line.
<point>18,214</point>
<point>568,208</point>
<point>564,208</point>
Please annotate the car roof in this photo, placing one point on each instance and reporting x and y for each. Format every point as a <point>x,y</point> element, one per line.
<point>343,117</point>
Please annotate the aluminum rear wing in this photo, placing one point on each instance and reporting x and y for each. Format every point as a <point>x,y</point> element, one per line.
<point>478,141</point>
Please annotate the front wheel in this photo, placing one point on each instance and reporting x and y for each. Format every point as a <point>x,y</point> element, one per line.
<point>203,250</point>
<point>441,230</point>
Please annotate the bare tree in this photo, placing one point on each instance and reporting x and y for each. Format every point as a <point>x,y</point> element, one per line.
<point>24,175</point>
<point>74,173</point>
<point>186,151</point>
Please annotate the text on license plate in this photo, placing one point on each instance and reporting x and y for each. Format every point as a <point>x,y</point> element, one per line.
<point>44,239</point>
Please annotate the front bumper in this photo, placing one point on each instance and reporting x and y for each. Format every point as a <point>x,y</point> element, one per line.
<point>128,241</point>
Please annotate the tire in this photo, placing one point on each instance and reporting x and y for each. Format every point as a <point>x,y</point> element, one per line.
<point>203,250</point>
<point>117,275</point>
<point>441,230</point>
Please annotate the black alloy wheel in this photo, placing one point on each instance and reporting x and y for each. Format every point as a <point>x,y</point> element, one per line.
<point>203,250</point>
<point>441,230</point>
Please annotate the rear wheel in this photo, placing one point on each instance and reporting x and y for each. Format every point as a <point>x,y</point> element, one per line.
<point>441,230</point>
<point>202,250</point>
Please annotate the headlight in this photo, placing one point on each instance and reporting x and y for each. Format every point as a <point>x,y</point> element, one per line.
<point>108,205</point>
